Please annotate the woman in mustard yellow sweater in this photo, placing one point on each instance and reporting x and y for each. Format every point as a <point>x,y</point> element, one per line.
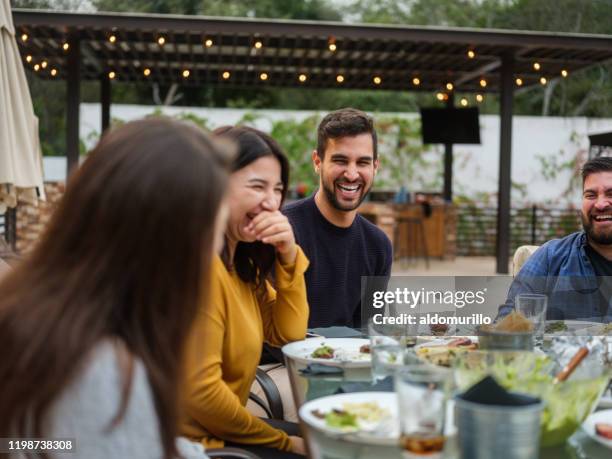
<point>244,308</point>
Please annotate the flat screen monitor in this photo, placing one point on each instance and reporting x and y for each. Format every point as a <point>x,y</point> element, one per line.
<point>450,125</point>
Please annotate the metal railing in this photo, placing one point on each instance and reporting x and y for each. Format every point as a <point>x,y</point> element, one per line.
<point>8,228</point>
<point>477,227</point>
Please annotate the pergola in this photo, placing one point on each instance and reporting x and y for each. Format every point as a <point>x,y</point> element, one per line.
<point>235,52</point>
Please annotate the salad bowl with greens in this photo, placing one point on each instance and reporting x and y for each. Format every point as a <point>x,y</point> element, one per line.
<point>566,404</point>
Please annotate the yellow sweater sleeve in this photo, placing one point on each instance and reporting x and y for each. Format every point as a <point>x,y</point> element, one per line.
<point>209,400</point>
<point>285,310</point>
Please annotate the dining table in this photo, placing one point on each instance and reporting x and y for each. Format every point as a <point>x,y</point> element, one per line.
<point>323,445</point>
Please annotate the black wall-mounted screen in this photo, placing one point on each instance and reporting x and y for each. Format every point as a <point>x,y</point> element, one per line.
<point>450,125</point>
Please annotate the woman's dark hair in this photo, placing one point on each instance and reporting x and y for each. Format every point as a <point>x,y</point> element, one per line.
<point>253,261</point>
<point>125,258</point>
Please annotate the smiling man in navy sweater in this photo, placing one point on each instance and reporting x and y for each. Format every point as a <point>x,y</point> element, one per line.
<point>342,246</point>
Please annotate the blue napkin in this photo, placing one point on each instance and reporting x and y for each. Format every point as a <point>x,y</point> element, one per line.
<point>336,332</point>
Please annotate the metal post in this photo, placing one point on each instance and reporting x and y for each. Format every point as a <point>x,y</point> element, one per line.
<point>105,101</point>
<point>73,96</point>
<point>505,164</point>
<point>448,159</point>
<point>534,221</point>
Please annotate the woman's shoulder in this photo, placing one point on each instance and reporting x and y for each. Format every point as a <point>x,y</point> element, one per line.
<point>89,405</point>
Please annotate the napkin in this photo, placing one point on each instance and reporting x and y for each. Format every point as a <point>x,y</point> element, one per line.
<point>315,369</point>
<point>384,385</point>
<point>336,332</point>
<point>488,392</point>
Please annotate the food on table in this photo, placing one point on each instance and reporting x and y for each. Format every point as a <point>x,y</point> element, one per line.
<point>604,430</point>
<point>566,405</point>
<point>341,419</point>
<point>438,329</point>
<point>556,327</point>
<point>323,352</point>
<point>339,353</point>
<point>354,416</point>
<point>443,355</point>
<point>515,322</point>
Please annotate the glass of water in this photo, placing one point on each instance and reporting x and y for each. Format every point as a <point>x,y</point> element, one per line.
<point>533,306</point>
<point>386,360</point>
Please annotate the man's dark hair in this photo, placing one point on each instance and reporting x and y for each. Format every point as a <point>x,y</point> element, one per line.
<point>346,122</point>
<point>594,165</point>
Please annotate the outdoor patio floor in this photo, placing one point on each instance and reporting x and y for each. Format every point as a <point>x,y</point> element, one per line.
<point>461,266</point>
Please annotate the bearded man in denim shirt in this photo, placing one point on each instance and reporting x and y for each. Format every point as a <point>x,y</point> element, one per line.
<point>576,271</point>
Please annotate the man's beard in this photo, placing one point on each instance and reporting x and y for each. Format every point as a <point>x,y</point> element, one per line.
<point>604,238</point>
<point>331,197</point>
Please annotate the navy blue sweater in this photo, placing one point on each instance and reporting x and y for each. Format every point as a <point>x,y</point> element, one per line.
<point>338,258</point>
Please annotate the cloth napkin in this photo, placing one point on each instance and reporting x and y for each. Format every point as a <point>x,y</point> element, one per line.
<point>384,385</point>
<point>336,332</point>
<point>316,369</point>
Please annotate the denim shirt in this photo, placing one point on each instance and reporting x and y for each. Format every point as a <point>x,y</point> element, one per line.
<point>562,270</point>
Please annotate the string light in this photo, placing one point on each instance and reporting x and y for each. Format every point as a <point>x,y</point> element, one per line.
<point>543,81</point>
<point>53,72</point>
<point>471,54</point>
<point>440,96</point>
<point>263,76</point>
<point>479,97</point>
<point>331,44</point>
<point>146,72</point>
<point>483,83</point>
<point>112,75</point>
<point>536,66</point>
<point>340,78</point>
<point>519,82</point>
<point>377,80</point>
<point>161,41</point>
<point>28,58</point>
<point>186,73</point>
<point>36,67</point>
<point>302,77</point>
<point>258,44</point>
<point>24,37</point>
<point>65,46</point>
<point>112,39</point>
<point>226,75</point>
<point>43,64</point>
<point>449,86</point>
<point>416,81</point>
<point>564,73</point>
<point>208,43</point>
<point>463,102</point>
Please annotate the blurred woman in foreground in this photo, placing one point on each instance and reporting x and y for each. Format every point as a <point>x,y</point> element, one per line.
<point>246,306</point>
<point>93,323</point>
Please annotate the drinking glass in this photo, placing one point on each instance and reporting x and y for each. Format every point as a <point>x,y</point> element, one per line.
<point>533,306</point>
<point>386,360</point>
<point>423,392</point>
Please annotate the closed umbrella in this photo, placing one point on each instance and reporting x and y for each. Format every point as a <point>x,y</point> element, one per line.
<point>21,177</point>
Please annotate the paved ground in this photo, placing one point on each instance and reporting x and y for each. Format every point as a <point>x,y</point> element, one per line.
<point>461,266</point>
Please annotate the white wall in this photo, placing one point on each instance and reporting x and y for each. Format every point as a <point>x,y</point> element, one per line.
<point>475,167</point>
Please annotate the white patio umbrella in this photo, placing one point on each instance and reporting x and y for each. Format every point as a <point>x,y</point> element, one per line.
<point>21,177</point>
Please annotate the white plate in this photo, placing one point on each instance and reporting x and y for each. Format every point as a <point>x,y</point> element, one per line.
<point>386,432</point>
<point>349,357</point>
<point>589,426</point>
